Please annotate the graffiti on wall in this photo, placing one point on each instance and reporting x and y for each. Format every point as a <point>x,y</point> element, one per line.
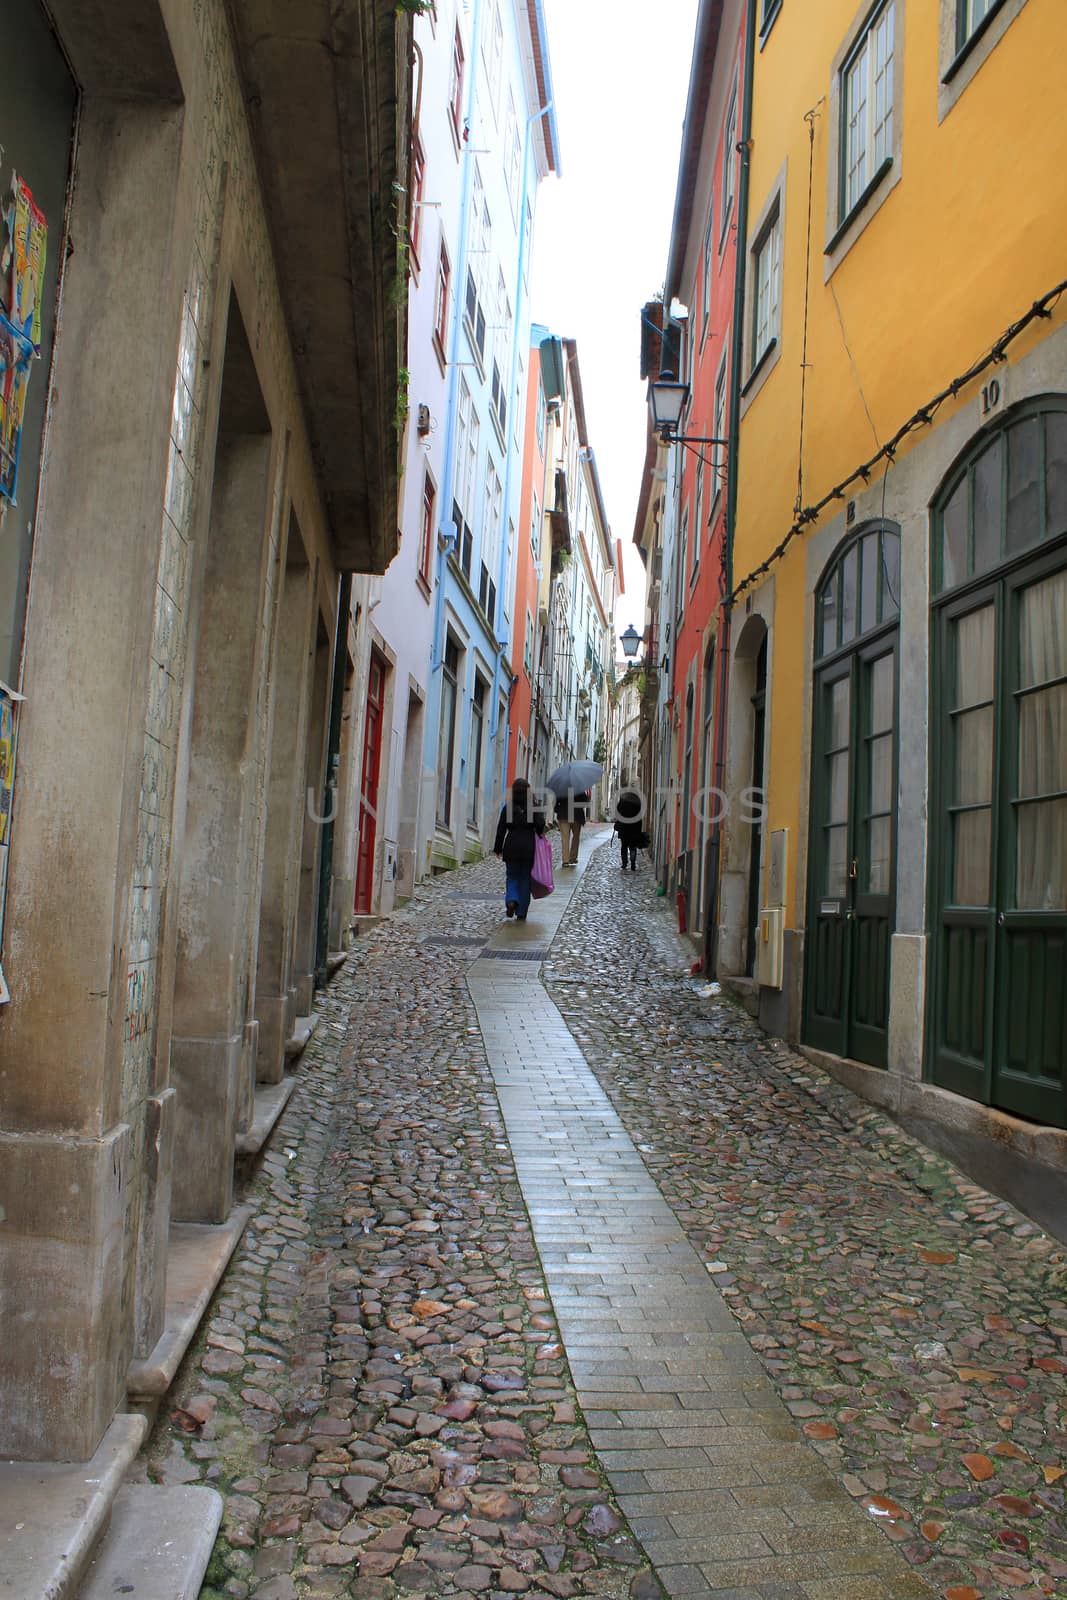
<point>8,724</point>
<point>23,247</point>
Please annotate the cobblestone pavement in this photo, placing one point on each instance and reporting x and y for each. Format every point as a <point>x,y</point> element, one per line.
<point>915,1326</point>
<point>381,1391</point>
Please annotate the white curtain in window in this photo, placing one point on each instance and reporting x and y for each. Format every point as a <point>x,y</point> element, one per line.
<point>1041,855</point>
<point>973,756</point>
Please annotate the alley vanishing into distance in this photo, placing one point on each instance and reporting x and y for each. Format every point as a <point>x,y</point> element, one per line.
<point>565,1279</point>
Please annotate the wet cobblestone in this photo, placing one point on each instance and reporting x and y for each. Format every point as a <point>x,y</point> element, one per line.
<point>380,1391</point>
<point>915,1326</point>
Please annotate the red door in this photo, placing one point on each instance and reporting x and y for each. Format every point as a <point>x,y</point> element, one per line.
<point>368,807</point>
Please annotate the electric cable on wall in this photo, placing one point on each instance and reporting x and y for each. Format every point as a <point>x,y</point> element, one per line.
<point>1041,309</point>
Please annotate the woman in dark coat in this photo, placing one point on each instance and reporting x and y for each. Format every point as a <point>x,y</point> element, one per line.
<point>519,825</point>
<point>629,825</point>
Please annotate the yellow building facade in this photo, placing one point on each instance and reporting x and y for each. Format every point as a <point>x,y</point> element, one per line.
<point>897,656</point>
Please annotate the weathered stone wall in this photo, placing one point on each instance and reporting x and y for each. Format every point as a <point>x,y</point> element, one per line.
<point>167,223</point>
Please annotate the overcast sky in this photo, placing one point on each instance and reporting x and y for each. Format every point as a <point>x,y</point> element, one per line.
<point>621,72</point>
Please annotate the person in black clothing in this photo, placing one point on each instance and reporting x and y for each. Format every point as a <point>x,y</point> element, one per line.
<point>571,812</point>
<point>629,826</point>
<point>520,823</point>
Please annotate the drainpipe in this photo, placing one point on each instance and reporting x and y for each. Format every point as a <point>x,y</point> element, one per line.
<point>737,343</point>
<point>330,798</point>
<point>503,575</point>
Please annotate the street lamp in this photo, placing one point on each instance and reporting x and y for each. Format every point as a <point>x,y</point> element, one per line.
<point>667,399</point>
<point>630,641</point>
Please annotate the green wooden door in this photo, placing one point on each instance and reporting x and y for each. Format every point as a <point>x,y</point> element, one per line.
<point>1001,997</point>
<point>850,894</point>
<point>1030,1033</point>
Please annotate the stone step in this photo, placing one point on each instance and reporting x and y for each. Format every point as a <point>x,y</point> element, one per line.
<point>270,1101</point>
<point>158,1545</point>
<point>53,1514</point>
<point>297,1042</point>
<point>335,961</point>
<point>197,1257</point>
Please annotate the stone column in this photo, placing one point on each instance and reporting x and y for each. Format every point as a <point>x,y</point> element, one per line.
<point>211,1003</point>
<point>69,1126</point>
<point>285,797</point>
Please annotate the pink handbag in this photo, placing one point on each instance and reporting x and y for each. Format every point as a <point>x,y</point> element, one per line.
<point>541,880</point>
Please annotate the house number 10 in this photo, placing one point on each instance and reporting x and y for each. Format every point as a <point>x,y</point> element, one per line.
<point>990,396</point>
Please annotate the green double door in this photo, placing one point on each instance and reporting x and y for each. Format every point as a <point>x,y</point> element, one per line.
<point>999,837</point>
<point>852,845</point>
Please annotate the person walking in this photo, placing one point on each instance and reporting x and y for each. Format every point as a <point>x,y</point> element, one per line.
<point>571,811</point>
<point>629,826</point>
<point>519,825</point>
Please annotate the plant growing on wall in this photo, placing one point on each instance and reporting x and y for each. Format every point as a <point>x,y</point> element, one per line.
<point>400,420</point>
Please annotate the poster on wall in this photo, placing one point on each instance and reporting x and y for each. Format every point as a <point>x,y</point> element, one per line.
<point>23,247</point>
<point>8,728</point>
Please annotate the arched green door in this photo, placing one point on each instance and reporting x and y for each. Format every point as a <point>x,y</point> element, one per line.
<point>853,799</point>
<point>998,814</point>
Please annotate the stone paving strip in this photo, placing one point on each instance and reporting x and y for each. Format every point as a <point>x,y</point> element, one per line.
<point>719,1487</point>
<point>380,1391</point>
<point>914,1325</point>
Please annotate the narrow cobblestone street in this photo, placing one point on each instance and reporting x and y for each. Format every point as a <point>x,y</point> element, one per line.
<point>564,1279</point>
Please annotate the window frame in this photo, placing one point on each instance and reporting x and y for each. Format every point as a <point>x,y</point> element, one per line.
<point>961,56</point>
<point>418,184</point>
<point>874,170</point>
<point>455,90</point>
<point>721,393</point>
<point>770,12</point>
<point>426,531</point>
<point>845,222</point>
<point>728,172</point>
<point>441,306</point>
<point>770,235</point>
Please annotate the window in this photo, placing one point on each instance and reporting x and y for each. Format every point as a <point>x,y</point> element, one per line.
<point>464,491</point>
<point>455,93</point>
<point>719,431</point>
<point>418,180</point>
<point>698,518</point>
<point>512,157</point>
<point>492,55</point>
<point>766,305</point>
<point>528,646</point>
<point>768,14</point>
<point>440,310</point>
<point>867,109</point>
<point>1011,496</point>
<point>541,416</point>
<point>860,592</point>
<point>680,567</point>
<point>729,163</point>
<point>706,290</point>
<point>970,15</point>
<point>535,528</point>
<point>429,500</point>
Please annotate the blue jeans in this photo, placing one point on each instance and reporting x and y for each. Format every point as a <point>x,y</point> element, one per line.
<point>518,888</point>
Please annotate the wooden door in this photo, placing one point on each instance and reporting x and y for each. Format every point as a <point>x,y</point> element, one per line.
<point>853,835</point>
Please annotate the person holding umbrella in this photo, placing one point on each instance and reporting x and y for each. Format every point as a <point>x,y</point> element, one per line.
<point>519,825</point>
<point>571,812</point>
<point>571,784</point>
